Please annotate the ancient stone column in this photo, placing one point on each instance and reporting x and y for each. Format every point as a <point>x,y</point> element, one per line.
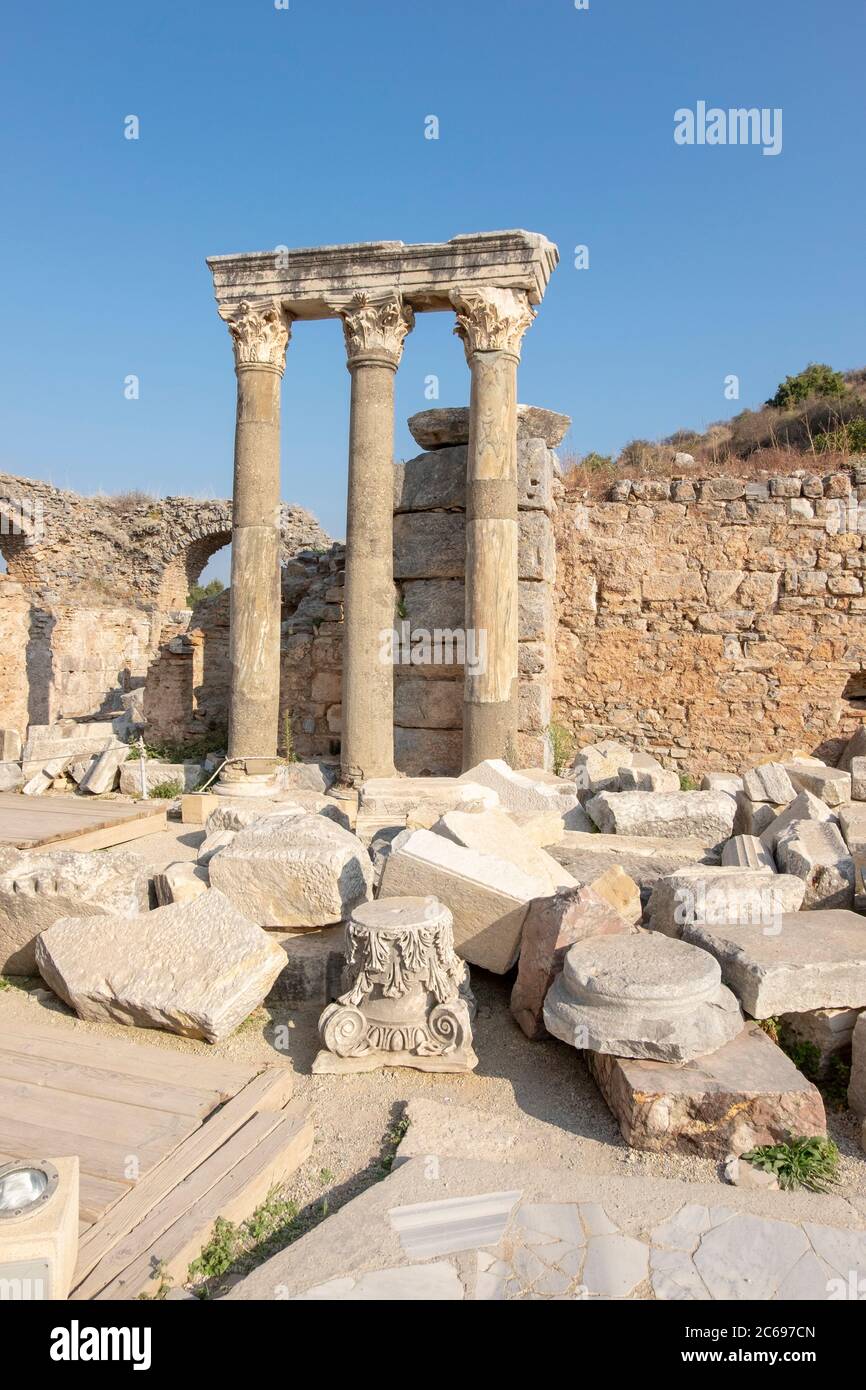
<point>260,332</point>
<point>374,330</point>
<point>491,323</point>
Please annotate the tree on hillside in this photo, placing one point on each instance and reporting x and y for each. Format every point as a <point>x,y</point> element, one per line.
<point>203,591</point>
<point>817,380</point>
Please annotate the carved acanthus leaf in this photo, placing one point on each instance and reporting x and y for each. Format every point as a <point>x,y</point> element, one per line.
<point>491,320</point>
<point>260,333</point>
<point>376,326</point>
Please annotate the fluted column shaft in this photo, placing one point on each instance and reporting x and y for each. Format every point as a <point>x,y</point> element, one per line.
<point>491,324</point>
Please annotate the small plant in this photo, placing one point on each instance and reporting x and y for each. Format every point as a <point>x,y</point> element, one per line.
<point>803,1163</point>
<point>834,1087</point>
<point>325,1175</point>
<point>272,1225</point>
<point>771,1027</point>
<point>167,791</point>
<point>400,607</point>
<point>688,783</point>
<point>393,1140</point>
<point>804,1054</point>
<point>561,741</point>
<point>289,754</point>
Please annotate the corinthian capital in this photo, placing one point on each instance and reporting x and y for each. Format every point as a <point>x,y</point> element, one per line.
<point>260,333</point>
<point>491,320</point>
<point>374,327</point>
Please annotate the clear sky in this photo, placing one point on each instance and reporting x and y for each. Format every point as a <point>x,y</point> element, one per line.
<point>262,126</point>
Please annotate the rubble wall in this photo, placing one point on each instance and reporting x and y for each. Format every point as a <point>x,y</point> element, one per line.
<point>14,642</point>
<point>714,621</point>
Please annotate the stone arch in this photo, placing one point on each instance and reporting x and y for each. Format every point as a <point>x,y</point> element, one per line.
<point>19,539</point>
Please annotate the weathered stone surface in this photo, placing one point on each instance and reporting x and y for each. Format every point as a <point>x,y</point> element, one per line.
<point>644,774</point>
<point>642,995</point>
<point>11,776</point>
<point>854,748</point>
<point>71,738</point>
<point>488,897</point>
<point>449,425</point>
<point>407,1001</point>
<point>551,926</point>
<point>746,1093</point>
<point>596,767</point>
<point>428,704</point>
<point>852,820</point>
<point>390,800</point>
<point>831,784</point>
<point>805,806</point>
<point>180,883</point>
<point>531,790</point>
<point>815,852</point>
<point>721,782</point>
<point>196,968</point>
<point>621,892</point>
<point>858,779</point>
<point>38,888</point>
<point>103,775</point>
<point>740,1173</point>
<point>816,960</point>
<point>312,972</point>
<point>747,852</point>
<point>294,870</point>
<point>828,1030</point>
<point>857,1083</point>
<point>644,858</point>
<point>187,775</point>
<point>429,753</point>
<point>309,777</point>
<point>10,745</point>
<point>708,816</point>
<point>494,832</point>
<point>721,895</point>
<point>769,782</point>
<point>753,817</point>
<point>545,828</point>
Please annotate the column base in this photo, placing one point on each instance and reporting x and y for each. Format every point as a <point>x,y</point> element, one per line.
<point>236,781</point>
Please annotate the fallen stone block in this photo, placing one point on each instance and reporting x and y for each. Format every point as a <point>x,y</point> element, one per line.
<point>814,960</point>
<point>753,817</point>
<point>747,852</point>
<point>718,896</point>
<point>708,816</point>
<point>37,784</point>
<point>312,972</point>
<point>488,896</point>
<point>769,782</point>
<point>311,777</point>
<point>644,858</point>
<point>212,844</point>
<point>73,739</point>
<point>827,1031</point>
<point>852,821</point>
<point>494,832</point>
<point>197,968</point>
<point>10,746</point>
<point>857,1083</point>
<point>721,782</point>
<point>832,785</point>
<point>294,870</point>
<point>180,883</point>
<point>854,748</point>
<point>815,852</point>
<point>79,768</point>
<point>745,1093</point>
<point>11,776</point>
<point>858,779</point>
<point>531,790</point>
<point>544,828</point>
<point>157,774</point>
<point>643,995</point>
<point>104,773</point>
<point>645,774</point>
<point>39,887</point>
<point>620,892</point>
<point>805,806</point>
<point>551,926</point>
<point>385,801</point>
<point>596,767</point>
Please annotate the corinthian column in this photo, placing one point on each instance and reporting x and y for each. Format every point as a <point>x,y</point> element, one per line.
<point>260,332</point>
<point>374,330</point>
<point>491,323</point>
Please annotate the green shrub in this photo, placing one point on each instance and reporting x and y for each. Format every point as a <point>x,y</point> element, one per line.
<point>167,791</point>
<point>561,741</point>
<point>688,783</point>
<point>817,379</point>
<point>803,1163</point>
<point>847,439</point>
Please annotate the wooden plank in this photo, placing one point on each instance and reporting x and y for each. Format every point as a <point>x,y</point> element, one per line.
<point>75,1078</point>
<point>73,1042</point>
<point>77,1114</point>
<point>245,1183</point>
<point>119,834</point>
<point>29,824</point>
<point>269,1091</point>
<point>103,1158</point>
<point>95,1195</point>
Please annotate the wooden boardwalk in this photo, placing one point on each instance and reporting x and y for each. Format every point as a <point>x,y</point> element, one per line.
<point>75,822</point>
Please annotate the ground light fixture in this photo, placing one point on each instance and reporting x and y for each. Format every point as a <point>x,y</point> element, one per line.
<point>38,1228</point>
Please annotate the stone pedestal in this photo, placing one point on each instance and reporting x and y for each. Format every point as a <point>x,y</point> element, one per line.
<point>491,323</point>
<point>374,332</point>
<point>645,996</point>
<point>260,333</point>
<point>408,1002</point>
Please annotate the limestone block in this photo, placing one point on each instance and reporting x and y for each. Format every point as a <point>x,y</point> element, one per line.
<point>769,782</point>
<point>643,858</point>
<point>433,753</point>
<point>858,779</point>
<point>721,895</point>
<point>429,545</point>
<point>487,896</point>
<point>449,425</point>
<point>428,704</point>
<point>854,748</point>
<point>543,828</point>
<point>71,738</point>
<point>830,1031</point>
<point>805,806</point>
<point>494,832</point>
<point>39,887</point>
<point>433,481</point>
<point>552,925</point>
<point>530,790</point>
<point>644,777</point>
<point>180,883</point>
<point>213,844</point>
<point>815,960</point>
<point>753,817</point>
<point>156,774</point>
<point>536,548</point>
<point>620,892</point>
<point>11,776</point>
<point>312,971</point>
<point>390,800</point>
<point>746,1093</point>
<point>815,852</point>
<point>852,820</point>
<point>294,871</point>
<point>10,746</point>
<point>196,968</point>
<point>857,1083</point>
<point>831,784</point>
<point>37,784</point>
<point>434,603</point>
<point>708,816</point>
<point>596,766</point>
<point>721,782</point>
<point>642,995</point>
<point>747,852</point>
<point>535,611</point>
<point>103,775</point>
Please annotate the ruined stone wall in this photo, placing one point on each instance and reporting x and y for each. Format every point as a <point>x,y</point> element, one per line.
<point>714,622</point>
<point>14,640</point>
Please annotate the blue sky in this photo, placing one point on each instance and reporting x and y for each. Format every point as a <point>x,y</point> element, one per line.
<point>261,127</point>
